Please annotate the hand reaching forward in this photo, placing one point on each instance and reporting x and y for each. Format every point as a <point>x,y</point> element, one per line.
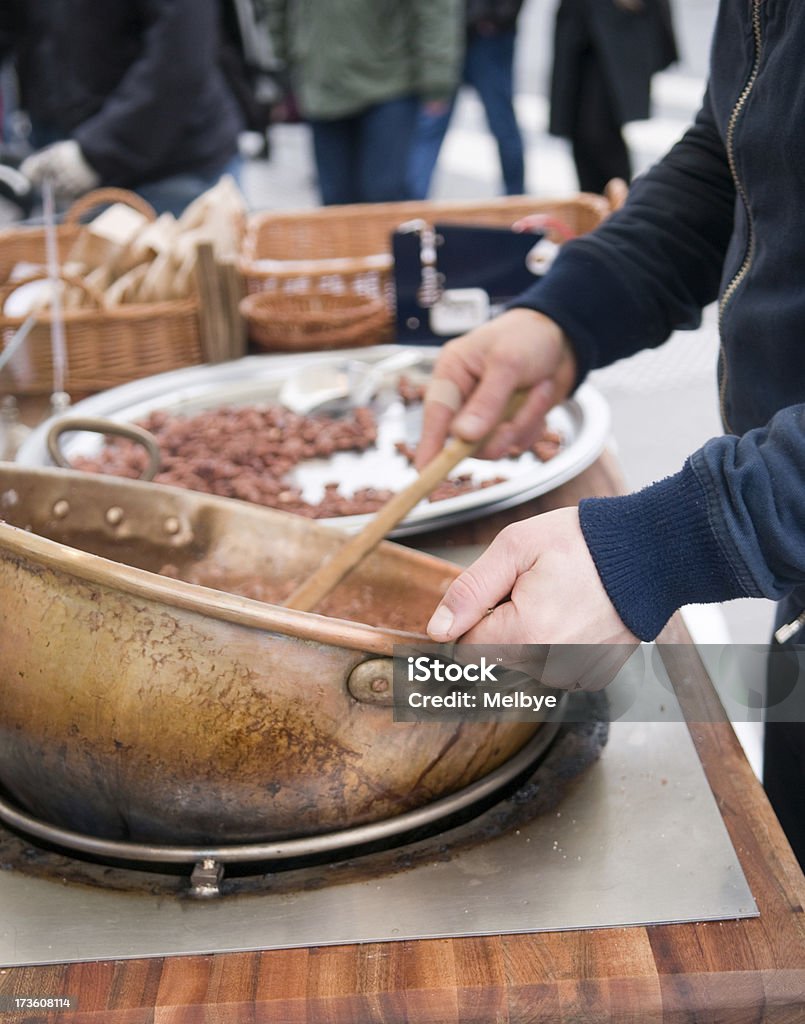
<point>477,373</point>
<point>547,604</point>
<point>542,587</point>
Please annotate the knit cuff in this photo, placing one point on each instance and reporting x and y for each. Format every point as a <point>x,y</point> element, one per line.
<point>656,550</point>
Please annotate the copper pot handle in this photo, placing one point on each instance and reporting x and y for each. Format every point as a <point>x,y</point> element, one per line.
<point>97,425</point>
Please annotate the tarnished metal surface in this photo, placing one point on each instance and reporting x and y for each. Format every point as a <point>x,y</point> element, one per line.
<point>137,706</point>
<point>430,816</point>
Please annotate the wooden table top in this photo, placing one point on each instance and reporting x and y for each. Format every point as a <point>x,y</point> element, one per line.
<point>730,972</point>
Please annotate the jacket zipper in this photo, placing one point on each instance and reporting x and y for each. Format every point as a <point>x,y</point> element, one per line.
<point>790,629</point>
<point>734,284</point>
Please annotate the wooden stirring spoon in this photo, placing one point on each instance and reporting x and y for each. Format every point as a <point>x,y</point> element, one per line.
<point>309,594</point>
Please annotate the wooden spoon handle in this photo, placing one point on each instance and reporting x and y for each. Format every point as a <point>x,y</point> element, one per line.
<point>329,575</point>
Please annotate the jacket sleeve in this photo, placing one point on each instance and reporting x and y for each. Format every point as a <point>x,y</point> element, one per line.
<point>137,124</point>
<point>651,267</point>
<point>730,524</point>
<point>438,46</point>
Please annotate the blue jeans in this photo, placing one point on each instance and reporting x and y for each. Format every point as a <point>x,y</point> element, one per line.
<point>428,137</point>
<point>363,158</point>
<point>488,68</point>
<point>173,194</point>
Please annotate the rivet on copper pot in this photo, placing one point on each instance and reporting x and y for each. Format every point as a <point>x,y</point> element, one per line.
<point>370,682</point>
<point>172,525</point>
<point>61,509</point>
<point>114,515</point>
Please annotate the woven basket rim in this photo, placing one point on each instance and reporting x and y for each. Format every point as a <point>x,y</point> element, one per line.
<point>317,321</point>
<point>436,208</point>
<point>275,300</point>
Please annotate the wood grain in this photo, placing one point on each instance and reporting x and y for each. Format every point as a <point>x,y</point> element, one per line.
<point>730,972</point>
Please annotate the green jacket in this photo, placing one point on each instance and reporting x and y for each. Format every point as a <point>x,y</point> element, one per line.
<point>343,56</point>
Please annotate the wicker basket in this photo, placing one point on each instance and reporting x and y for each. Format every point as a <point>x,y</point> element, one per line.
<point>27,244</point>
<point>307,321</point>
<point>105,346</point>
<point>343,249</point>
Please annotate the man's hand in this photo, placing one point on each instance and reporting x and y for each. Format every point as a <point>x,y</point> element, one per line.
<point>536,590</point>
<point>65,165</point>
<point>435,108</point>
<point>535,584</point>
<point>476,374</point>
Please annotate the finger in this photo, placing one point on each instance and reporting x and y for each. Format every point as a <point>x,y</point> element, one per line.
<point>435,428</point>
<point>444,391</point>
<point>531,222</point>
<point>478,589</point>
<point>527,425</point>
<point>451,382</point>
<point>32,168</point>
<point>502,625</point>
<point>443,398</point>
<point>485,406</point>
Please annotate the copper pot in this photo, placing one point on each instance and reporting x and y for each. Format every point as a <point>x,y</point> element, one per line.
<point>142,707</point>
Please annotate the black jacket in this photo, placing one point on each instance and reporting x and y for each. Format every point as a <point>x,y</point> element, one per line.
<point>631,46</point>
<point>135,82</point>
<point>722,216</point>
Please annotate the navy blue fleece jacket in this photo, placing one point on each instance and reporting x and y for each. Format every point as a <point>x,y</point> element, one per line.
<point>721,216</point>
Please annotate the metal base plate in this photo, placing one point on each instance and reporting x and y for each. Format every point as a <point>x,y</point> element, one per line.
<point>637,840</point>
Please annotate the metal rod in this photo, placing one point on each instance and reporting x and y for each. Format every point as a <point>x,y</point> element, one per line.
<point>58,345</point>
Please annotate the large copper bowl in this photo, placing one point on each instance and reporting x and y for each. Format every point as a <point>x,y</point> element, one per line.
<point>141,707</point>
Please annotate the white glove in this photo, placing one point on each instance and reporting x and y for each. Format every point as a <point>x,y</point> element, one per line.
<point>64,164</point>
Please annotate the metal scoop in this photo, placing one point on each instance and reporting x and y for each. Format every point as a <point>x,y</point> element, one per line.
<point>332,387</point>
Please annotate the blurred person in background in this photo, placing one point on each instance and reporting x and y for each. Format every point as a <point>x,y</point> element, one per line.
<point>605,54</point>
<point>359,71</point>
<point>126,93</point>
<point>491,28</point>
<point>251,69</point>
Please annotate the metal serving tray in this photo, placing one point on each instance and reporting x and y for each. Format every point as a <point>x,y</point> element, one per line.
<point>583,421</point>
